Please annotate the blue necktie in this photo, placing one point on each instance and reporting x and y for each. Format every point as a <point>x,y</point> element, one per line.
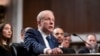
<point>50,41</point>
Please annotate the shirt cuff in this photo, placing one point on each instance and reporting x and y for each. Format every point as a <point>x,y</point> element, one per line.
<point>45,50</point>
<point>60,46</point>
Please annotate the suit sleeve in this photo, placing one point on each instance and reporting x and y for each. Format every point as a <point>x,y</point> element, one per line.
<point>84,50</point>
<point>32,42</point>
<point>81,51</point>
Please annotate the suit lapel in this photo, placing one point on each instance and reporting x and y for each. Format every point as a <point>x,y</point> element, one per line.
<point>55,43</point>
<point>41,38</point>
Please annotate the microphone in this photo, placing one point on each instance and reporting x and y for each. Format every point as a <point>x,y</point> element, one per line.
<point>80,38</point>
<point>97,46</point>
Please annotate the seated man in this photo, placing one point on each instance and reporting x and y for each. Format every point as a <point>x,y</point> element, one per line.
<point>90,44</point>
<point>58,34</point>
<point>41,41</point>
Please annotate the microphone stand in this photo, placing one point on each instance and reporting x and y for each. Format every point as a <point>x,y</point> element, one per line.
<point>80,38</point>
<point>97,47</point>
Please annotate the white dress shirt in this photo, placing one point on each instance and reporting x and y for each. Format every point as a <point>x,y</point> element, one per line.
<point>45,40</point>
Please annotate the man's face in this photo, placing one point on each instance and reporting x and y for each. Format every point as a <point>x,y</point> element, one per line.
<point>66,41</point>
<point>91,40</point>
<point>47,22</point>
<point>59,34</point>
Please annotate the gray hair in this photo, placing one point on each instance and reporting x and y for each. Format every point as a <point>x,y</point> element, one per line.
<point>42,14</point>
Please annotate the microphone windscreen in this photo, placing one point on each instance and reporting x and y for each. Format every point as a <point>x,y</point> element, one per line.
<point>74,34</point>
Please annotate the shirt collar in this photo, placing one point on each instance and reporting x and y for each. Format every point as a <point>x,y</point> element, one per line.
<point>43,34</point>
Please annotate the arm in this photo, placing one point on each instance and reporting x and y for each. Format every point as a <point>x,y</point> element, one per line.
<point>32,42</point>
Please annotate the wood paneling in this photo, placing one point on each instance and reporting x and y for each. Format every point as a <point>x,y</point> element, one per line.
<point>31,9</point>
<point>78,16</point>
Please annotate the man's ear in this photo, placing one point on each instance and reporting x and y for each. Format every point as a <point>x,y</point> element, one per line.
<point>39,23</point>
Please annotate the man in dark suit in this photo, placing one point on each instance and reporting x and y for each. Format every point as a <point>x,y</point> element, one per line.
<point>84,50</point>
<point>41,41</point>
<point>90,45</point>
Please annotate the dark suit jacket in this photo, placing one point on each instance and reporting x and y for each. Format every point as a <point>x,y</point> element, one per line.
<point>68,50</point>
<point>4,52</point>
<point>34,42</point>
<point>84,50</point>
<point>18,49</point>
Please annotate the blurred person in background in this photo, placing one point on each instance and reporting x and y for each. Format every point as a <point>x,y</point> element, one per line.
<point>58,34</point>
<point>23,31</point>
<point>64,40</point>
<point>5,39</point>
<point>4,4</point>
<point>65,45</point>
<point>90,45</point>
<point>19,47</point>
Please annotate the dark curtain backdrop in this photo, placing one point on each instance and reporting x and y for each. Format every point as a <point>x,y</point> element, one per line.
<point>74,16</point>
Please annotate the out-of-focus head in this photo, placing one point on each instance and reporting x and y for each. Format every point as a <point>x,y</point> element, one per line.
<point>23,31</point>
<point>4,7</point>
<point>91,39</point>
<point>6,32</point>
<point>45,21</point>
<point>67,40</point>
<point>58,34</point>
<point>5,2</point>
<point>67,37</point>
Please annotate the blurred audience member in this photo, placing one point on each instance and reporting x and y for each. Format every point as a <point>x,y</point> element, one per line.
<point>90,45</point>
<point>23,31</point>
<point>5,2</point>
<point>66,41</point>
<point>59,34</point>
<point>19,47</point>
<point>65,45</point>
<point>5,39</point>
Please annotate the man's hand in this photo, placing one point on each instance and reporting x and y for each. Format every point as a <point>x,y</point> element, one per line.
<point>49,51</point>
<point>57,51</point>
<point>54,51</point>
